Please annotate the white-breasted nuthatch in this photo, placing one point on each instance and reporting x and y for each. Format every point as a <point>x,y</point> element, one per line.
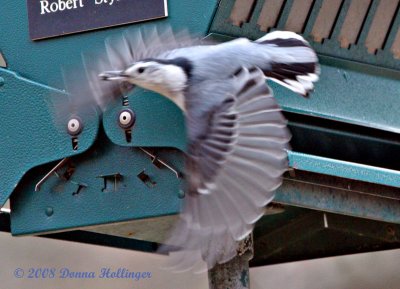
<point>236,133</point>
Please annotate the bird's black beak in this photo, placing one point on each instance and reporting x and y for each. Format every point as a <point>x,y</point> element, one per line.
<point>114,75</point>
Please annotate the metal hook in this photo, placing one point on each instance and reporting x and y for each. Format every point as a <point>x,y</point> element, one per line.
<point>155,159</point>
<point>59,165</point>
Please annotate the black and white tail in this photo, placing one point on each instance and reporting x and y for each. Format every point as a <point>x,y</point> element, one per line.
<point>294,63</point>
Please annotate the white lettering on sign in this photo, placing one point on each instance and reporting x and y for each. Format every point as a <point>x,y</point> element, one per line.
<point>51,18</point>
<point>109,2</point>
<point>60,5</point>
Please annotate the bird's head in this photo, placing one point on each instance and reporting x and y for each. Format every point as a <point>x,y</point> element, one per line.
<point>167,77</point>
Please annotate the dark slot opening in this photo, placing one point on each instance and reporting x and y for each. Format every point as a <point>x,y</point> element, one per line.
<point>128,135</point>
<point>343,141</point>
<point>74,143</point>
<point>145,178</point>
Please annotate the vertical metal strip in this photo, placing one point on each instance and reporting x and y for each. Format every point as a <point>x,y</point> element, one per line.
<point>241,12</point>
<point>353,22</point>
<point>269,14</point>
<point>396,46</point>
<point>298,15</point>
<point>380,25</point>
<point>325,20</point>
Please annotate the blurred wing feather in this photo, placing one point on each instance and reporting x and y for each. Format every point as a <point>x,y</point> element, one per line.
<point>234,165</point>
<point>120,51</point>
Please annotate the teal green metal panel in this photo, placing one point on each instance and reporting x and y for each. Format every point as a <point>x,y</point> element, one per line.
<point>159,122</point>
<point>133,199</point>
<point>60,206</point>
<point>344,169</point>
<point>349,92</point>
<point>340,201</point>
<point>31,133</point>
<point>40,63</point>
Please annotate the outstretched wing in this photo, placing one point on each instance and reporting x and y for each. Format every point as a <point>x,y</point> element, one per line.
<point>235,162</point>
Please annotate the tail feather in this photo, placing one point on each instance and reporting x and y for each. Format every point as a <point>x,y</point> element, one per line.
<point>294,65</point>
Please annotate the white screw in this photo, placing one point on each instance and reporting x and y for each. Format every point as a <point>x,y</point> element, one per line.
<point>126,118</point>
<point>74,126</point>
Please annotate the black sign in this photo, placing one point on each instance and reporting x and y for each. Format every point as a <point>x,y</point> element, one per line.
<point>49,18</point>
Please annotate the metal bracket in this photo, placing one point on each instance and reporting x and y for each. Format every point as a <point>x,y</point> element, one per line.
<point>114,178</point>
<point>79,188</point>
<point>104,187</point>
<point>145,178</point>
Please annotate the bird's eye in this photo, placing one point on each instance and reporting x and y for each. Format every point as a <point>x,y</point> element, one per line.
<point>141,69</point>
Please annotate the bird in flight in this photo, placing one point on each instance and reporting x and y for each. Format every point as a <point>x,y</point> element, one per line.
<point>237,135</point>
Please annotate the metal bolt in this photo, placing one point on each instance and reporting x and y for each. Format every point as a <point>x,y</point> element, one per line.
<point>74,126</point>
<point>181,194</point>
<point>49,211</point>
<point>126,118</point>
<point>2,81</point>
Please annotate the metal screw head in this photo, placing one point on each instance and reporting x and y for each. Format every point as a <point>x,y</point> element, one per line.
<point>49,211</point>
<point>126,118</point>
<point>74,126</point>
<point>181,194</point>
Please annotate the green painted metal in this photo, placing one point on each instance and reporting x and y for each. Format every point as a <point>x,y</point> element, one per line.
<point>340,195</point>
<point>347,91</point>
<point>36,136</point>
<point>135,200</point>
<point>159,122</point>
<point>32,133</point>
<point>104,188</point>
<point>344,169</point>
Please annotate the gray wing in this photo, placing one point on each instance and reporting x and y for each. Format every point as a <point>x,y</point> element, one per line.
<point>235,162</point>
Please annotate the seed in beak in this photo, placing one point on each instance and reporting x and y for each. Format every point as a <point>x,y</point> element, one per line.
<point>113,75</point>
